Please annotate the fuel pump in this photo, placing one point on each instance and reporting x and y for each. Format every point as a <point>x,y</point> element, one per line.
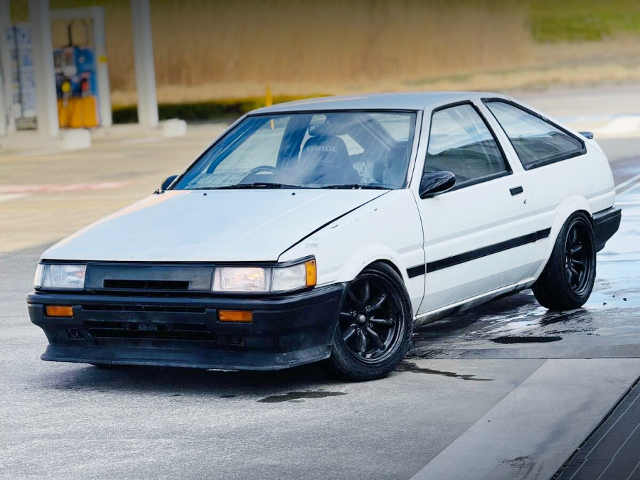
<point>75,69</point>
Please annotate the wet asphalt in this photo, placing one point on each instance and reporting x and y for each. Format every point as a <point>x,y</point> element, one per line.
<point>77,422</point>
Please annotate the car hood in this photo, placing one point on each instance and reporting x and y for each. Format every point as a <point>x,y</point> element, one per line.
<point>216,225</point>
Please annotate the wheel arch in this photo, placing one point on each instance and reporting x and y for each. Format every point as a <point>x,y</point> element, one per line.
<point>390,264</point>
<point>563,212</point>
<point>368,256</point>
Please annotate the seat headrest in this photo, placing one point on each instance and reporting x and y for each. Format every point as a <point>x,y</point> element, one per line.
<point>323,149</point>
<point>326,130</point>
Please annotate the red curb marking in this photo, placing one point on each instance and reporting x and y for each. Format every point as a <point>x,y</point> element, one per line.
<point>60,188</point>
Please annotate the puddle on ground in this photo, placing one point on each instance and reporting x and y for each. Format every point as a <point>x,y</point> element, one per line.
<point>525,339</point>
<point>412,367</point>
<point>299,396</point>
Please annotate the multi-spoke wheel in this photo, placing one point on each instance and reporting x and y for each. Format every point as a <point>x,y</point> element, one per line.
<point>568,278</point>
<point>374,326</point>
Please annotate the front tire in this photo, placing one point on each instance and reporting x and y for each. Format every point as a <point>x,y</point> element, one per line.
<point>567,280</point>
<point>374,326</point>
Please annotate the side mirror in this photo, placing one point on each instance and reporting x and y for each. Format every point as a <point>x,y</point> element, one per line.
<point>434,183</point>
<point>168,182</point>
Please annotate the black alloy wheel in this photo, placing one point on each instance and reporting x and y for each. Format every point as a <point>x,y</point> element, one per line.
<point>369,320</point>
<point>578,258</point>
<point>374,325</point>
<point>568,278</point>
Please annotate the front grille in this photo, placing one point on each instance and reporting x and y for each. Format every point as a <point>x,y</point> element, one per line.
<point>143,308</point>
<point>146,284</point>
<point>122,278</point>
<point>156,331</point>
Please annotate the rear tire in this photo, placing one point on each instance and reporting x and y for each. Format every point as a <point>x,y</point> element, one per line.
<point>374,326</point>
<point>567,280</point>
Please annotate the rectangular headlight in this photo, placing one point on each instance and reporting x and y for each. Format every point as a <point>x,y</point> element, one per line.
<point>265,279</point>
<point>58,276</point>
<point>241,279</point>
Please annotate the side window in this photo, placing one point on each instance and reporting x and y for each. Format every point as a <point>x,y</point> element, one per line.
<point>460,142</point>
<point>536,141</point>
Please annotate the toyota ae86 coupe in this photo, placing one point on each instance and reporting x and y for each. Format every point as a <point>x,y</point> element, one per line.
<point>326,229</point>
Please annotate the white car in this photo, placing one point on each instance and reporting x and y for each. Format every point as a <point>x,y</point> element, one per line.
<point>324,230</point>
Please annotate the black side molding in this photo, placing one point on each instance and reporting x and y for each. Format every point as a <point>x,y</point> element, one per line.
<point>606,224</point>
<point>478,253</point>
<point>416,271</point>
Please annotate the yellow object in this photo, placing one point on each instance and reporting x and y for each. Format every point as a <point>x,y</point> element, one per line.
<point>78,112</point>
<point>241,316</point>
<point>312,272</point>
<point>102,59</point>
<point>58,311</point>
<point>268,97</point>
<point>66,87</point>
<point>268,101</point>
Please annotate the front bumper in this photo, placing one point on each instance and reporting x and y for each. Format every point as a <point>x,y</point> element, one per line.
<point>178,331</point>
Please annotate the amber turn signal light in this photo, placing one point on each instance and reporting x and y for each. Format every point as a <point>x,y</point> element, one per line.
<point>312,273</point>
<point>240,316</point>
<point>58,311</point>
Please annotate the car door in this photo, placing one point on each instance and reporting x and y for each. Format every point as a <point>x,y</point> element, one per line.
<point>479,237</point>
<point>561,166</point>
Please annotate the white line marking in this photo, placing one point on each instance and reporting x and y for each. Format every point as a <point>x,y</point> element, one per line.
<point>12,196</point>
<point>627,182</point>
<point>620,125</point>
<point>630,188</point>
<point>60,188</point>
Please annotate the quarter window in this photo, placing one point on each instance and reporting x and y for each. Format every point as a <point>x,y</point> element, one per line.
<point>460,142</point>
<point>536,141</point>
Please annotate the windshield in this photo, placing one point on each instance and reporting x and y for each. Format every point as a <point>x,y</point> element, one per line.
<point>309,150</point>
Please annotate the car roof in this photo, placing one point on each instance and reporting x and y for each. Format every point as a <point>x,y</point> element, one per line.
<point>376,101</point>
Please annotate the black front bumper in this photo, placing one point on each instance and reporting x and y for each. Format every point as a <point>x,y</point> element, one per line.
<point>185,332</point>
<point>606,224</point>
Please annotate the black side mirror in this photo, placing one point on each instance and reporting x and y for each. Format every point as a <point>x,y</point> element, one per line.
<point>434,183</point>
<point>168,182</point>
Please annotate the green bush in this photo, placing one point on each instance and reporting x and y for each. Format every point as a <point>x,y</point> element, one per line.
<point>583,20</point>
<point>202,111</point>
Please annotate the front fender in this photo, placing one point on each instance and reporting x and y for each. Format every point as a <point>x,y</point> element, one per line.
<point>368,254</point>
<point>386,229</point>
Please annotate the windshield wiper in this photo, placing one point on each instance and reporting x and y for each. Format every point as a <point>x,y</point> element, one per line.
<point>356,186</point>
<point>252,185</point>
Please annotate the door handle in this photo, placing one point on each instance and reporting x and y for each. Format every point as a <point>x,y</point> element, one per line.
<point>516,191</point>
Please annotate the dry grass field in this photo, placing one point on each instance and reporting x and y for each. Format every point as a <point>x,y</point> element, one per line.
<point>222,49</point>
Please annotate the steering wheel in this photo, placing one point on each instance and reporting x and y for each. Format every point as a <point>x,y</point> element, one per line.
<point>260,169</point>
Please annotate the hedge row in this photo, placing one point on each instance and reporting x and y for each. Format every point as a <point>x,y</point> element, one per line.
<point>202,111</point>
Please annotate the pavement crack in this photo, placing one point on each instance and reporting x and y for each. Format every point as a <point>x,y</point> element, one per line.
<point>412,367</point>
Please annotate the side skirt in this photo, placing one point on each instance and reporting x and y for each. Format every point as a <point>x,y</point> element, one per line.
<point>464,305</point>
